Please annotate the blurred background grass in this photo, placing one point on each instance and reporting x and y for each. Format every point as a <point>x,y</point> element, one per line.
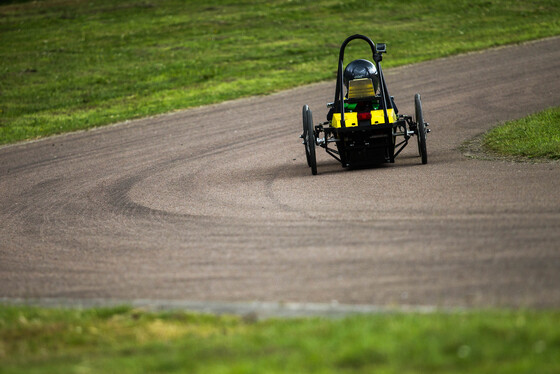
<point>124,340</point>
<point>75,64</point>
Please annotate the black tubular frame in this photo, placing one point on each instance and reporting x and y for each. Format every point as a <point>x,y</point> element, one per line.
<point>339,92</point>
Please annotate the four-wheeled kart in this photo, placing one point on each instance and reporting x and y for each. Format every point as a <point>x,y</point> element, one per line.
<point>364,124</point>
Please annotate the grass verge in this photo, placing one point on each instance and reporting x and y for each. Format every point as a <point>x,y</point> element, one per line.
<point>534,137</point>
<point>69,65</point>
<point>124,340</point>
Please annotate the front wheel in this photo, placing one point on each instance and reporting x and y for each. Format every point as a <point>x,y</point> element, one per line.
<point>309,139</point>
<point>420,129</point>
<point>304,134</point>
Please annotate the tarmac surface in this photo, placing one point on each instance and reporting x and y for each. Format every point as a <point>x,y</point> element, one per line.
<point>217,205</point>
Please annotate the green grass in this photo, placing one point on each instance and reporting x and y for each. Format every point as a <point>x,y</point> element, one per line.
<point>534,137</point>
<point>75,64</point>
<point>123,340</point>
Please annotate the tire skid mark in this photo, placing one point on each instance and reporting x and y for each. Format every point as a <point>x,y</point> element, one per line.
<point>217,204</point>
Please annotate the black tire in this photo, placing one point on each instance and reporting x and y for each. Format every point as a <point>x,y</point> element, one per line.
<point>421,129</point>
<point>310,143</point>
<point>304,134</point>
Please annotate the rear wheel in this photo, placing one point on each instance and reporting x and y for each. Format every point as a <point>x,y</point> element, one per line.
<point>310,140</point>
<point>420,129</point>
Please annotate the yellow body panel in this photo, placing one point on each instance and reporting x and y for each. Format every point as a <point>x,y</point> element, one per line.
<point>351,118</point>
<point>377,116</point>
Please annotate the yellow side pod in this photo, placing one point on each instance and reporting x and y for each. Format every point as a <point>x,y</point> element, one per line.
<point>351,118</point>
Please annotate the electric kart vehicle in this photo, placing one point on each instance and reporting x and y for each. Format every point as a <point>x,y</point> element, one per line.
<point>363,124</point>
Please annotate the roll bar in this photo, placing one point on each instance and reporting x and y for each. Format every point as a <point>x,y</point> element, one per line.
<point>377,52</point>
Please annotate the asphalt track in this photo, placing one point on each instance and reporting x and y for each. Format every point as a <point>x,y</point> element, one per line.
<point>216,204</point>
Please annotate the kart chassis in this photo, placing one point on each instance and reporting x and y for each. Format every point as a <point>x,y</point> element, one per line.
<point>364,143</point>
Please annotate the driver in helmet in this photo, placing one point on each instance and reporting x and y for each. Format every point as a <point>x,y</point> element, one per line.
<point>357,69</point>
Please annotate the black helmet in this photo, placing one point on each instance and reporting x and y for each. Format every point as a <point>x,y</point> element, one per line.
<point>361,69</point>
